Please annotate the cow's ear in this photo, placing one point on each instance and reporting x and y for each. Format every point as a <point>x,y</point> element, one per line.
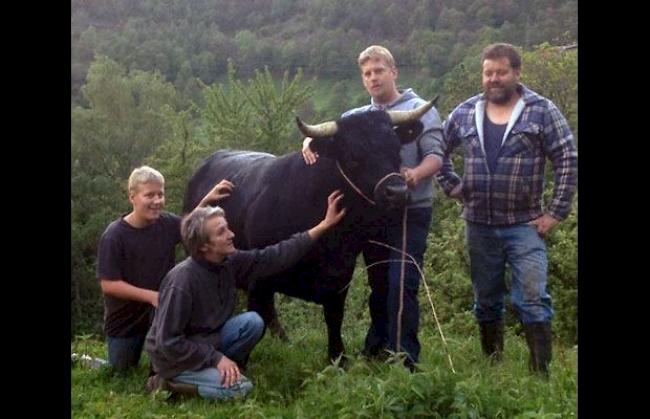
<point>409,132</point>
<point>323,146</point>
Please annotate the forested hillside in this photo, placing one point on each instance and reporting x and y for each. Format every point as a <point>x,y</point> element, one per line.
<point>187,39</point>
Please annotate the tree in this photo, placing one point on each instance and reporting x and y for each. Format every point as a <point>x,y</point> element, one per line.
<point>179,156</point>
<point>127,118</point>
<point>255,115</point>
<point>123,123</point>
<point>554,73</point>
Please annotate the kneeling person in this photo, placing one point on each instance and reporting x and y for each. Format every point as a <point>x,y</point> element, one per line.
<point>194,344</point>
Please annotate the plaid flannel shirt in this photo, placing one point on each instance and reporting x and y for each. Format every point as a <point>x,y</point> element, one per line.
<point>513,193</point>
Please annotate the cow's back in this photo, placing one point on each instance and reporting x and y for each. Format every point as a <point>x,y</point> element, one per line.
<point>231,164</point>
<point>275,197</point>
<point>245,169</point>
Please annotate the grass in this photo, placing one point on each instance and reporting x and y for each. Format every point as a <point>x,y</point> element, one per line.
<point>294,380</point>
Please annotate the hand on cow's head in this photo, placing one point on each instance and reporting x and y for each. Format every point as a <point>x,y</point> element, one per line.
<point>324,146</point>
<point>320,136</point>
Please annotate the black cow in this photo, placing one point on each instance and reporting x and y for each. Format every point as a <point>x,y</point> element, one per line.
<point>275,197</point>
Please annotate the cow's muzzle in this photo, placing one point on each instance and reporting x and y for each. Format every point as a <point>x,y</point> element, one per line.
<point>397,195</point>
<point>392,193</point>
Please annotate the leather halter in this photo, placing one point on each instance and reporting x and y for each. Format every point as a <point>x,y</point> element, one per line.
<point>357,190</point>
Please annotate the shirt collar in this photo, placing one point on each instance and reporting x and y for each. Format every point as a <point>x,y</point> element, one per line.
<point>210,266</point>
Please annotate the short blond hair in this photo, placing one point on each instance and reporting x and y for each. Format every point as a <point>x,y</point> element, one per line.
<point>144,174</point>
<point>376,52</point>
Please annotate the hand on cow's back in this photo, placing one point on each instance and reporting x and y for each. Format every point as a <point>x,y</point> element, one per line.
<point>332,216</point>
<point>221,190</point>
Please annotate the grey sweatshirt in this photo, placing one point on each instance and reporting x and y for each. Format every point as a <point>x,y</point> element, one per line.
<point>197,297</point>
<point>429,142</point>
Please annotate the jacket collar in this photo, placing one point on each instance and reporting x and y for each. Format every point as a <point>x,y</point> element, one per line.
<point>210,266</point>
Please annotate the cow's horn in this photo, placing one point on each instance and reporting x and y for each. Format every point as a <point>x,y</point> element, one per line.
<point>325,129</point>
<point>402,117</point>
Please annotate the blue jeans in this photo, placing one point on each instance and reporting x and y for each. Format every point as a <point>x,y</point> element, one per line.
<point>124,353</point>
<point>521,247</point>
<point>417,229</point>
<point>239,335</point>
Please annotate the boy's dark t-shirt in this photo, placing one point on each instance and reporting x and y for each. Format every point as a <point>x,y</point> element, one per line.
<point>141,257</point>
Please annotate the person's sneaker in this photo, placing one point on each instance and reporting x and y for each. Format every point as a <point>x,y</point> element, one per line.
<point>87,361</point>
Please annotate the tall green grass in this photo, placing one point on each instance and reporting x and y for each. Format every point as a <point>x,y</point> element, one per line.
<point>294,380</point>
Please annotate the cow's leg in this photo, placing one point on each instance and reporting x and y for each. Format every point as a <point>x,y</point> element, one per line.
<point>376,259</point>
<point>333,310</point>
<point>262,301</point>
<point>274,324</point>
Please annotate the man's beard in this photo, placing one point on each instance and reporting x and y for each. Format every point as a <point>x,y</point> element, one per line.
<point>500,96</point>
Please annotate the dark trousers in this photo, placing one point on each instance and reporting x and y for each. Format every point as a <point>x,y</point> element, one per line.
<point>384,281</point>
<point>124,353</point>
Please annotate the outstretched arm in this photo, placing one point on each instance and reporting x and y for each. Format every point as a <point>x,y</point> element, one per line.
<point>332,217</point>
<point>251,264</point>
<point>221,190</point>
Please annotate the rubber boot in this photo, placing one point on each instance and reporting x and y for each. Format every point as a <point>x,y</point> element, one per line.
<point>492,339</point>
<point>539,339</point>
